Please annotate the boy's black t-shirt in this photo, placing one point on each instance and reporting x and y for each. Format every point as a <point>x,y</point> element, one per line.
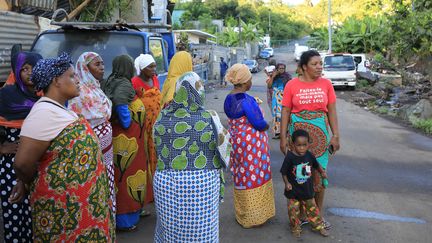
<point>298,169</point>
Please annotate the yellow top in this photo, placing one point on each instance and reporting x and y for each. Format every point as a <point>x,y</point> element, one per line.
<point>180,63</point>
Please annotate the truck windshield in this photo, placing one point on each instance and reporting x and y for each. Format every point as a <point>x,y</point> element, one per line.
<point>107,44</point>
<point>339,63</point>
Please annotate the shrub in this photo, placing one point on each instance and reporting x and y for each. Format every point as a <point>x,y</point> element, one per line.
<point>424,125</point>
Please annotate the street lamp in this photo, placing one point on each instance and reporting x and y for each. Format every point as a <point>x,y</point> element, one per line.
<point>329,27</point>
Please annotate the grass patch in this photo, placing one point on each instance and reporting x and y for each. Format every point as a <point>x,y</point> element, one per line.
<point>424,125</point>
<point>382,110</point>
<point>362,83</point>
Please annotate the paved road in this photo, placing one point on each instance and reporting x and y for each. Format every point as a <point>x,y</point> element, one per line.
<point>382,169</point>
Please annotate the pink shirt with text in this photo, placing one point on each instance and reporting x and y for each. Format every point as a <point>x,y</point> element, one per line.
<point>310,96</point>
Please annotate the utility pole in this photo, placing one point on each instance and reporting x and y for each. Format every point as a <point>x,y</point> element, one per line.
<point>329,27</point>
<point>269,21</point>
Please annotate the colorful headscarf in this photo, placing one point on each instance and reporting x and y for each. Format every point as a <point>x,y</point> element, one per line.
<point>180,63</point>
<point>92,102</point>
<point>238,74</point>
<point>142,61</point>
<point>47,69</point>
<point>16,100</point>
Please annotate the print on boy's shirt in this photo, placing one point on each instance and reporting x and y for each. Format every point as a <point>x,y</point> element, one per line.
<point>311,96</point>
<point>302,172</point>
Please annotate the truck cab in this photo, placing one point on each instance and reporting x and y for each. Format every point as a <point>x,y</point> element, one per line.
<point>340,69</point>
<point>109,41</point>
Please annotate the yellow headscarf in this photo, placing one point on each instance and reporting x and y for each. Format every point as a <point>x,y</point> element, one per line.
<point>180,64</point>
<point>238,74</point>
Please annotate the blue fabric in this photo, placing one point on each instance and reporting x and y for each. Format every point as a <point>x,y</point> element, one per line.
<point>124,115</point>
<point>242,104</point>
<point>127,220</point>
<point>187,206</point>
<point>46,70</point>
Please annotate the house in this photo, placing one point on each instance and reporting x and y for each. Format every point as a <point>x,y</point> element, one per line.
<point>194,36</point>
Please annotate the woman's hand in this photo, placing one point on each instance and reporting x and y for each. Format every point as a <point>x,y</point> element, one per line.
<point>335,142</point>
<point>18,192</point>
<point>288,187</point>
<point>8,148</point>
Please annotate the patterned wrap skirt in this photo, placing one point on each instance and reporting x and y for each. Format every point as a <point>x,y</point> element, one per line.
<point>104,133</point>
<point>250,165</point>
<point>316,124</point>
<point>187,206</point>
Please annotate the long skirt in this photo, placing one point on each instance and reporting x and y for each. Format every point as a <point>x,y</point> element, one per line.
<point>276,109</point>
<point>104,133</point>
<point>17,224</point>
<point>316,124</point>
<point>187,206</point>
<point>131,168</point>
<point>250,165</point>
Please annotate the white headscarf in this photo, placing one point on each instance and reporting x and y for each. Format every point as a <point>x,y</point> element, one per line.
<point>142,61</point>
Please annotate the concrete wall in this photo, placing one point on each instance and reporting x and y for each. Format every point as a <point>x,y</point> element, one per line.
<point>213,53</point>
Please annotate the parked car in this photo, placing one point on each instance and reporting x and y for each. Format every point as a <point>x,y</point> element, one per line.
<point>252,65</point>
<point>270,50</point>
<point>264,54</point>
<point>298,50</point>
<point>340,69</point>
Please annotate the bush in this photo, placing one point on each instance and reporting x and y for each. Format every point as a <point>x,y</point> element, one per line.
<point>424,125</point>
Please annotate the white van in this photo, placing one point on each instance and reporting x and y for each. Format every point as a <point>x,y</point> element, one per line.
<point>340,69</point>
<point>362,63</point>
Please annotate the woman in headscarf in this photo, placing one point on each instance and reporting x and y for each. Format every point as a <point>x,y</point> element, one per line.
<point>59,155</point>
<point>174,72</point>
<point>250,160</point>
<point>130,160</point>
<point>95,106</point>
<point>16,100</point>
<point>146,86</point>
<point>187,181</point>
<point>277,82</point>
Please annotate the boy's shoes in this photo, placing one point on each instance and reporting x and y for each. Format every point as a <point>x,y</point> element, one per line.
<point>303,222</point>
<point>296,233</point>
<point>322,232</point>
<point>327,225</point>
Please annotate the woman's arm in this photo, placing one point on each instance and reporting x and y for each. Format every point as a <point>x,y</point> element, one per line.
<point>254,114</point>
<point>29,153</point>
<point>286,116</point>
<point>124,115</point>
<point>332,116</point>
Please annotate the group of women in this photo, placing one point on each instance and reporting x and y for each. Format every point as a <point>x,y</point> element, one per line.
<point>81,146</point>
<point>93,152</point>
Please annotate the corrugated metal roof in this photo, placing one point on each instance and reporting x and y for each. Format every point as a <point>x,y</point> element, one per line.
<point>15,29</point>
<point>40,4</point>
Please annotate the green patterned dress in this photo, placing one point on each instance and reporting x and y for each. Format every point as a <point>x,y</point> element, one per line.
<point>187,182</point>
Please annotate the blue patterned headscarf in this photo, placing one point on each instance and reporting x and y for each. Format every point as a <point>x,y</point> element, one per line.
<point>47,69</point>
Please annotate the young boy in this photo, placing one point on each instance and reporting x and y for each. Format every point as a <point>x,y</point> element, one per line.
<point>296,172</point>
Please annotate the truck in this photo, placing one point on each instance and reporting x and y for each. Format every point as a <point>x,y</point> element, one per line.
<point>340,69</point>
<point>110,40</point>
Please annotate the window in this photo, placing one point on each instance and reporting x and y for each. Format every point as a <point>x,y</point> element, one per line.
<point>339,63</point>
<point>107,44</point>
<point>157,52</point>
